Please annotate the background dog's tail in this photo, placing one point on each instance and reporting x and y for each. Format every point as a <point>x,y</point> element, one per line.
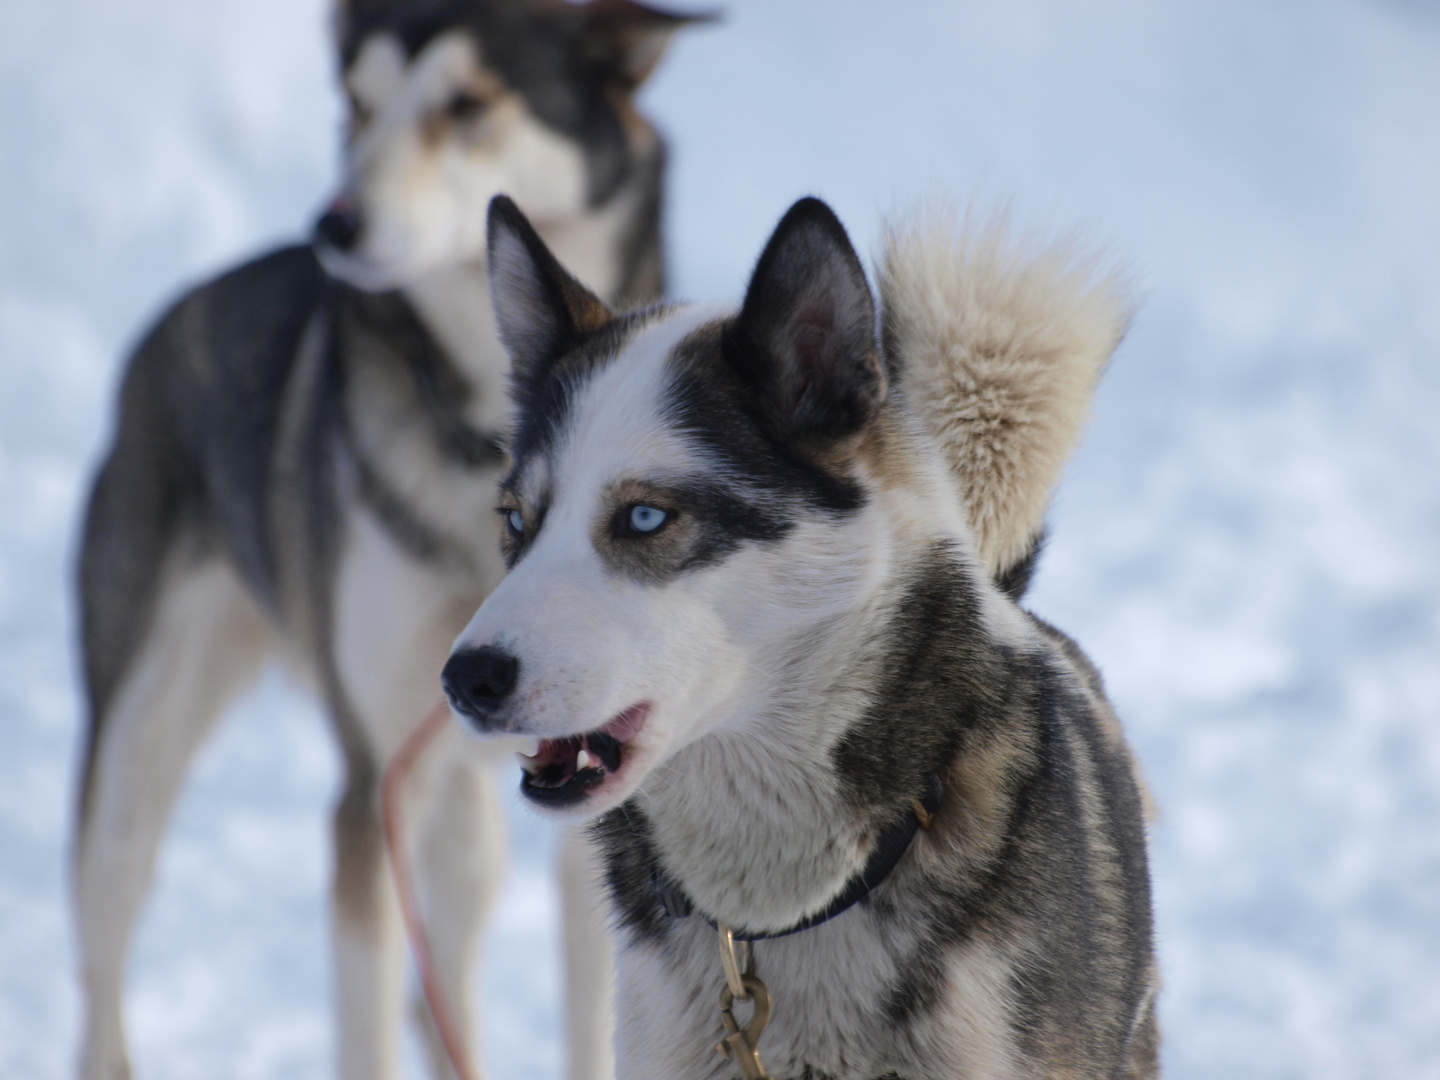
<point>999,345</point>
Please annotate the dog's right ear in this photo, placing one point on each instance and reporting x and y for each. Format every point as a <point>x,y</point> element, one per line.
<point>805,336</point>
<point>541,311</point>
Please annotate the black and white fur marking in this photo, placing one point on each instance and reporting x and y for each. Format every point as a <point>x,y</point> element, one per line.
<point>810,635</point>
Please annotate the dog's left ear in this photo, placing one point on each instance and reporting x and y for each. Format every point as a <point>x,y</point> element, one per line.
<point>541,311</point>
<point>627,39</point>
<point>806,333</point>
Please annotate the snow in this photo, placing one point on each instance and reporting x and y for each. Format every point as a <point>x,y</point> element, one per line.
<point>1248,542</point>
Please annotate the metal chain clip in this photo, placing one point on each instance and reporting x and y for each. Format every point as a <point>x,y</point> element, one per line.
<point>742,1045</point>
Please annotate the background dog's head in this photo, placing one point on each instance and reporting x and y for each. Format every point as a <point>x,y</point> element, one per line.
<point>454,101</point>
<point>692,502</point>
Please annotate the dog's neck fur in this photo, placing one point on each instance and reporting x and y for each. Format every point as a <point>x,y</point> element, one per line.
<point>754,821</point>
<point>453,305</point>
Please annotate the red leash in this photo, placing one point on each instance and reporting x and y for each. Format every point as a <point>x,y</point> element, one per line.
<point>392,812</point>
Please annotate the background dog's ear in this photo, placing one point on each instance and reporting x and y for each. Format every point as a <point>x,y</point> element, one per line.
<point>346,15</point>
<point>626,39</point>
<point>540,310</point>
<point>806,333</point>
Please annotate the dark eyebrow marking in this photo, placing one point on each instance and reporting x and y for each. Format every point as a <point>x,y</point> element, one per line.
<point>727,520</point>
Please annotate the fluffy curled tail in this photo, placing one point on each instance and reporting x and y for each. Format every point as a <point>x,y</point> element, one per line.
<point>999,346</point>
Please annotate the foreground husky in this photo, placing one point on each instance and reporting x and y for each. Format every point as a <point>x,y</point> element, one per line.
<point>306,470</point>
<point>761,616</point>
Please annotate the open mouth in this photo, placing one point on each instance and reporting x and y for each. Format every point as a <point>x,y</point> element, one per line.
<point>562,772</point>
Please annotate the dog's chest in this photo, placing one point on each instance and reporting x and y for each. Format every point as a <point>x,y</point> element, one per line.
<point>850,1000</point>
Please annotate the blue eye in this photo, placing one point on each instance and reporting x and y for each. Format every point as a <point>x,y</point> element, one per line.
<point>646,519</point>
<point>516,521</point>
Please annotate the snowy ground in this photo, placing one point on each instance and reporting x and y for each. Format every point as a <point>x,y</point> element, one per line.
<point>1248,543</point>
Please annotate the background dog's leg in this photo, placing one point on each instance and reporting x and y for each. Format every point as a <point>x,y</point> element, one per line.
<point>207,642</point>
<point>589,960</point>
<point>394,621</point>
<point>369,948</point>
<point>459,845</point>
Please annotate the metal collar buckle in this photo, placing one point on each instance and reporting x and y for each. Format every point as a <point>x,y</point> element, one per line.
<point>742,1045</point>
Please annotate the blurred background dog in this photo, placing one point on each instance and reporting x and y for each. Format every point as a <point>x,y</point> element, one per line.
<point>304,469</point>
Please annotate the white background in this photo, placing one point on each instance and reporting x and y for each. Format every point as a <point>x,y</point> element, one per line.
<point>1248,543</point>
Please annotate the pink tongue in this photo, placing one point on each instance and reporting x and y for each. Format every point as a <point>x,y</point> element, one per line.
<point>628,722</point>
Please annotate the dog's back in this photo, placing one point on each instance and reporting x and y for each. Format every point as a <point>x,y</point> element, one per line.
<point>199,407</point>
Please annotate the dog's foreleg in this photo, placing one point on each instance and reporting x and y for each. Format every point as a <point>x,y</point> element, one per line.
<point>207,643</point>
<point>589,960</point>
<point>392,615</point>
<point>459,844</point>
<point>368,944</point>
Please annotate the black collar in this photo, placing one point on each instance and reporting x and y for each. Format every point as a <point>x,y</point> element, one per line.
<point>889,850</point>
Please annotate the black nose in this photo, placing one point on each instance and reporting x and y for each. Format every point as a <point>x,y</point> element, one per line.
<point>477,682</point>
<point>339,227</point>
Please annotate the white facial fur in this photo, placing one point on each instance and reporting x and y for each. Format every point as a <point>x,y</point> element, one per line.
<point>592,643</point>
<point>422,182</point>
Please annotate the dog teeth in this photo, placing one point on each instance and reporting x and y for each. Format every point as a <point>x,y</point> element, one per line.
<point>528,763</point>
<point>583,760</point>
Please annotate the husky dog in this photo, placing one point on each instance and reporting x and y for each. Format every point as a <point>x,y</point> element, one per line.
<point>305,469</point>
<point>761,615</point>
